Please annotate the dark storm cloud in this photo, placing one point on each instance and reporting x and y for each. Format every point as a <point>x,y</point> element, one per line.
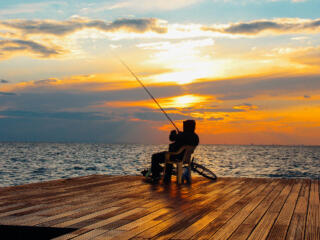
<point>60,28</point>
<point>8,47</point>
<point>277,25</point>
<point>3,81</point>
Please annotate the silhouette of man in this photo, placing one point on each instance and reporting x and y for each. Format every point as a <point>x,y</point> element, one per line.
<point>187,137</point>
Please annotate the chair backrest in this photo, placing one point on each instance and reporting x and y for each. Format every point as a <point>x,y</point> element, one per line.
<point>188,152</point>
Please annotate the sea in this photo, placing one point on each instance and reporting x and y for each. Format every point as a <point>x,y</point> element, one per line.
<point>22,163</point>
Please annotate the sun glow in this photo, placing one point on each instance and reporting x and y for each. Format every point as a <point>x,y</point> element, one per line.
<point>178,102</point>
<point>181,78</point>
<point>184,101</point>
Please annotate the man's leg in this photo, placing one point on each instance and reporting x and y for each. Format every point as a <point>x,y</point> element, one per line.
<point>168,173</point>
<point>156,169</point>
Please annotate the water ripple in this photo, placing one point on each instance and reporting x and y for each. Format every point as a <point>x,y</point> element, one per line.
<point>22,163</point>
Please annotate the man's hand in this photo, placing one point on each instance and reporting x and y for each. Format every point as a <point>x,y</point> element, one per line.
<point>173,132</point>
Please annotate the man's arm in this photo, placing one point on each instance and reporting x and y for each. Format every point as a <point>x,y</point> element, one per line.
<point>173,135</point>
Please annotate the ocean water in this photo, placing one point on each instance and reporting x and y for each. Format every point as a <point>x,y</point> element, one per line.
<point>22,163</point>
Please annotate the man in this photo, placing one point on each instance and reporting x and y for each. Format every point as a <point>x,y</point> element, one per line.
<point>187,137</point>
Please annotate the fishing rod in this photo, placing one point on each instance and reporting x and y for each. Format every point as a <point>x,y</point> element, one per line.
<point>145,88</point>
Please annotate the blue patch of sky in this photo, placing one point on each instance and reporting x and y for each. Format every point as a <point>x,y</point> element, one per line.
<point>223,12</point>
<point>205,12</point>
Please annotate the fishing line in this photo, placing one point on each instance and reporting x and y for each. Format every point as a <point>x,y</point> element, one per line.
<point>203,171</point>
<point>149,93</point>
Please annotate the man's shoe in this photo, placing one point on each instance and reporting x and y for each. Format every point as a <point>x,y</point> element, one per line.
<point>153,180</point>
<point>166,181</point>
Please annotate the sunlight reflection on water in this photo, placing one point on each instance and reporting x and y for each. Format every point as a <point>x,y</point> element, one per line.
<point>22,163</point>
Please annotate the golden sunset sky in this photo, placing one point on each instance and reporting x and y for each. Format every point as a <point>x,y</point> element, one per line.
<point>248,71</point>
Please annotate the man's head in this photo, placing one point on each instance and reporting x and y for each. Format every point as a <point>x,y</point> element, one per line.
<point>189,125</point>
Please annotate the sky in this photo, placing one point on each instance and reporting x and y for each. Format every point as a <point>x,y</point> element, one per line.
<point>248,71</point>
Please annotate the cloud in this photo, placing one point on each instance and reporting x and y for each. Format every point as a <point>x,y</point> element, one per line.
<point>246,88</point>
<point>7,94</point>
<point>302,55</point>
<point>9,47</point>
<point>278,26</point>
<point>157,115</point>
<point>25,29</point>
<point>308,55</point>
<point>53,115</point>
<point>3,81</point>
<point>186,44</point>
<point>46,81</point>
<point>46,94</point>
<point>245,107</point>
<point>61,28</point>
<point>72,130</point>
<point>48,114</point>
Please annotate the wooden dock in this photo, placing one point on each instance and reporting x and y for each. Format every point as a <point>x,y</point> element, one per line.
<point>125,207</point>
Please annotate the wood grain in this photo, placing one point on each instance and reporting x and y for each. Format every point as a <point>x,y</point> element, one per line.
<point>125,207</point>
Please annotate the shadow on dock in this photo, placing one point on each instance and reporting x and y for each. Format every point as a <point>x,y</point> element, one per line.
<point>27,232</point>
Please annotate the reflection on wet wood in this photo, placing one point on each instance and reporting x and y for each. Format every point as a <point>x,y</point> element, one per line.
<point>125,207</point>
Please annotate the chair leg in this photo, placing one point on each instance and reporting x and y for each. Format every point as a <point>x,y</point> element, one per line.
<point>179,172</point>
<point>190,179</point>
<point>164,171</point>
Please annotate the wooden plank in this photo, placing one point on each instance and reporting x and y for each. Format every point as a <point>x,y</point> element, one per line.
<point>227,213</point>
<point>199,216</point>
<point>210,217</point>
<point>245,228</point>
<point>281,225</point>
<point>262,229</point>
<point>81,213</point>
<point>19,210</point>
<point>94,228</point>
<point>33,219</point>
<point>128,234</point>
<point>143,220</point>
<point>158,205</point>
<point>133,228</point>
<point>313,217</point>
<point>298,222</point>
<point>183,212</point>
<point>252,202</point>
<point>85,217</point>
<point>92,203</point>
<point>124,207</point>
<point>80,233</point>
